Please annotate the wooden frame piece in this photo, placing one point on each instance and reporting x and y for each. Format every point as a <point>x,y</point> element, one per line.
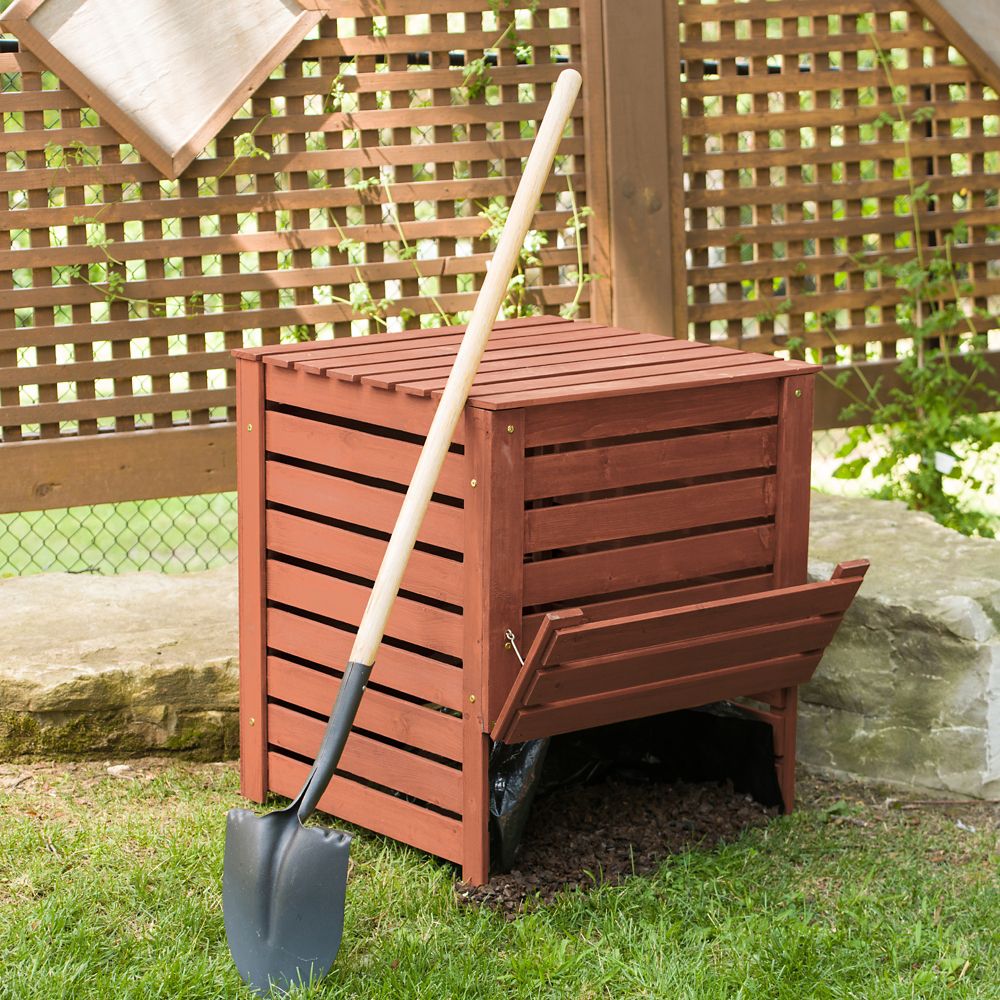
<point>170,162</point>
<point>252,582</point>
<point>951,25</point>
<point>109,467</point>
<point>494,581</point>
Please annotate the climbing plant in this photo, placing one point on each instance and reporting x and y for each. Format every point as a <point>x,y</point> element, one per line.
<point>921,439</point>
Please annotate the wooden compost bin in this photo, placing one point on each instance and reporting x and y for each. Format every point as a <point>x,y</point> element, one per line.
<point>633,508</point>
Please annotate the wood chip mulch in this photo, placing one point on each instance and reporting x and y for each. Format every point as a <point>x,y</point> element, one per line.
<point>580,837</point>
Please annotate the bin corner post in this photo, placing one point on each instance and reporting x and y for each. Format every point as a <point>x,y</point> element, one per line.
<point>494,546</point>
<point>252,590</point>
<point>791,515</point>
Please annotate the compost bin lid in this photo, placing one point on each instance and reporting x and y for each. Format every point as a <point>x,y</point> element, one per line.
<point>530,362</point>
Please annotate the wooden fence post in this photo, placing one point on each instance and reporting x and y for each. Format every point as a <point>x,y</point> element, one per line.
<point>641,71</point>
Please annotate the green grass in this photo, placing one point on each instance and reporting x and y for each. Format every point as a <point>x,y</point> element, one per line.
<point>110,888</point>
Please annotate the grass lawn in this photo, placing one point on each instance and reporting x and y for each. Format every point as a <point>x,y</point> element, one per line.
<point>110,888</point>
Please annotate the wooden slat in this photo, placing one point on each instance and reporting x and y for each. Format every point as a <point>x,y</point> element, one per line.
<point>417,356</point>
<point>620,569</point>
<point>117,368</point>
<point>143,465</point>
<point>325,159</point>
<point>630,668</point>
<point>832,80</point>
<point>335,548</point>
<point>370,759</point>
<point>863,226</point>
<point>618,465</point>
<point>354,450</point>
<point>695,13</point>
<point>433,358</point>
<point>405,671</point>
<point>356,503</point>
<point>633,386</point>
<point>363,403</point>
<point>388,346</point>
<point>259,242</point>
<point>500,354</point>
<point>386,814</point>
<point>659,600</point>
<point>603,638</point>
<point>791,46</point>
<point>653,699</point>
<point>559,423</point>
<point>121,329</point>
<point>412,621</point>
<point>319,594</point>
<point>415,725</point>
<point>823,117</point>
<point>664,373</point>
<point>598,363</point>
<point>253,201</point>
<point>118,406</point>
<point>832,399</point>
<point>651,513</point>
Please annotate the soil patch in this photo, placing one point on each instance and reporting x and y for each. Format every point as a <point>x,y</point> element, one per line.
<point>580,837</point>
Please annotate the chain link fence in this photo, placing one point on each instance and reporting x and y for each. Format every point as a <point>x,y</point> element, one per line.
<point>176,535</point>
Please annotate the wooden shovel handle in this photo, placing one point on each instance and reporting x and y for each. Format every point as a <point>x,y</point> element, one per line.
<point>456,391</point>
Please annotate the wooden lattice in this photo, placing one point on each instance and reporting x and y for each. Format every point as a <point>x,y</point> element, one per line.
<point>362,163</point>
<point>796,187</point>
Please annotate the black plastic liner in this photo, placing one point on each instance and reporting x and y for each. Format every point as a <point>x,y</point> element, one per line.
<point>716,743</point>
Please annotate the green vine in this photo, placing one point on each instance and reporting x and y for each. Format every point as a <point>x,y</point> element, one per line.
<point>109,276</point>
<point>477,73</point>
<point>931,427</point>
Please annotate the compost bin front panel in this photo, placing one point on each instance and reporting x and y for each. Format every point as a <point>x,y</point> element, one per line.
<point>583,673</point>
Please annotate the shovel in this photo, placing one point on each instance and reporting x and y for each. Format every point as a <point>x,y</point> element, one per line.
<point>283,884</point>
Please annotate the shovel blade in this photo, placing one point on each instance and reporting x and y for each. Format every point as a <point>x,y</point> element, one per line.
<point>283,889</point>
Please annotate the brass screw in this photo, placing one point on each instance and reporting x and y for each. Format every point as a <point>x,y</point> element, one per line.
<point>510,428</point>
<point>252,721</point>
<point>473,483</point>
<point>249,427</point>
<point>472,698</point>
<point>798,392</point>
<point>506,645</point>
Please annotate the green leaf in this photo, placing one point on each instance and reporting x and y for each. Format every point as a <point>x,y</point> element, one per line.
<point>850,470</point>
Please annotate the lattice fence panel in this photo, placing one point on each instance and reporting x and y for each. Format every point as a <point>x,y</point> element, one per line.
<point>343,198</point>
<point>797,180</point>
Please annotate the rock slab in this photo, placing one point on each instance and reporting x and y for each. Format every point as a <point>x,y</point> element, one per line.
<point>909,692</point>
<point>119,664</point>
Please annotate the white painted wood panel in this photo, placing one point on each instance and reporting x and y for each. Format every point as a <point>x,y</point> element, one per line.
<point>166,73</point>
<point>981,19</point>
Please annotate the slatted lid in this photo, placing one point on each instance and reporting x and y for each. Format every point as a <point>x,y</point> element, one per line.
<point>529,362</point>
